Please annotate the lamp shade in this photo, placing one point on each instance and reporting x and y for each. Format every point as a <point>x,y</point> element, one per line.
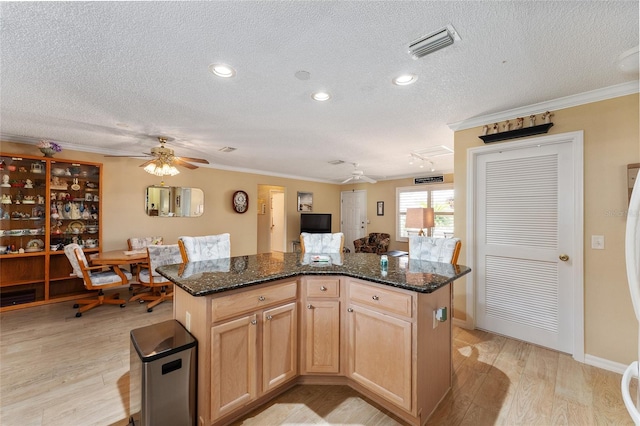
<point>419,218</point>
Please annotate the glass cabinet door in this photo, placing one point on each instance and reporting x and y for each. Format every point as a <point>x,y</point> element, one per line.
<point>22,205</point>
<point>74,205</point>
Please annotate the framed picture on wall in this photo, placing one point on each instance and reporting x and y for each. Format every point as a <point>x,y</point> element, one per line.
<point>380,208</point>
<point>305,201</point>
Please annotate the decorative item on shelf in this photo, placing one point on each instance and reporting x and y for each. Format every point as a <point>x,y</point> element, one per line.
<point>485,129</point>
<point>506,126</point>
<point>48,148</point>
<point>37,168</point>
<point>6,199</point>
<point>28,184</point>
<point>519,123</point>
<point>532,120</point>
<point>5,182</point>
<point>547,117</point>
<point>495,128</point>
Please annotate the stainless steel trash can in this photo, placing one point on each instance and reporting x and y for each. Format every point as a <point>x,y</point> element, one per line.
<point>162,376</point>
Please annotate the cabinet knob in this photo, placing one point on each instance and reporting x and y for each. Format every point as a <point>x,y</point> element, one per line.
<point>254,322</point>
<point>269,317</point>
<point>261,298</point>
<point>374,297</point>
<point>563,257</point>
<point>309,306</point>
<point>323,288</point>
<point>349,309</point>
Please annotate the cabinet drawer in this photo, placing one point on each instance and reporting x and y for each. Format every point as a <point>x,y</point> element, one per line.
<point>322,288</point>
<point>251,300</point>
<point>392,301</point>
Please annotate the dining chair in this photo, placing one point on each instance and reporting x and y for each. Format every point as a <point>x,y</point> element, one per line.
<point>194,249</point>
<point>321,243</point>
<point>445,250</point>
<point>140,243</point>
<point>95,278</point>
<point>159,288</point>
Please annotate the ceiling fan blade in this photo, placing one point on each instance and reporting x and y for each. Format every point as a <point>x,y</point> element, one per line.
<point>347,180</point>
<point>147,162</point>
<point>194,160</point>
<point>179,162</point>
<point>367,179</point>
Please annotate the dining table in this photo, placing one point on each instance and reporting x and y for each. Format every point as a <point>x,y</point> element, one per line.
<point>119,257</point>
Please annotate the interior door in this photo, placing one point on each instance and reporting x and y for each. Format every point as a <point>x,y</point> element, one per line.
<point>353,214</point>
<point>524,234</point>
<point>278,223</point>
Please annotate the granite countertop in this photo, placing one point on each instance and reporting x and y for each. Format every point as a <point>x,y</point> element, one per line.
<point>214,276</point>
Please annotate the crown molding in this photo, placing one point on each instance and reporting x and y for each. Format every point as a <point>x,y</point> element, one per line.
<point>610,92</point>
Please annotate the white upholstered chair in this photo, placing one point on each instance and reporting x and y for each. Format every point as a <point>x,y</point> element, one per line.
<point>445,250</point>
<point>206,247</point>
<point>95,278</point>
<point>160,288</point>
<point>139,243</point>
<point>321,243</point>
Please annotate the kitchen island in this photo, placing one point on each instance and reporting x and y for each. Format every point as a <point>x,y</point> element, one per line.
<point>267,322</point>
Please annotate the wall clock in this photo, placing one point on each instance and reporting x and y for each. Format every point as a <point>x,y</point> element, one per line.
<point>240,201</point>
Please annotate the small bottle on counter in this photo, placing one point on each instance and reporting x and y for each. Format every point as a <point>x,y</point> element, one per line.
<point>384,262</point>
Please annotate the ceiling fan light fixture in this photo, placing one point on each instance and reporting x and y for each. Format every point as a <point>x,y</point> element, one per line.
<point>161,168</point>
<point>222,70</point>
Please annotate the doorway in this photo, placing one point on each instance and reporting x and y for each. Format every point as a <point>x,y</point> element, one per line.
<point>525,224</point>
<point>278,239</point>
<point>353,212</point>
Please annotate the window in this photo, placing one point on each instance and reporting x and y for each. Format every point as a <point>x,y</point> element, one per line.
<point>439,197</point>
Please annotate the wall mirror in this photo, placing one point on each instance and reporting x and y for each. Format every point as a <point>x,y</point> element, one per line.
<point>174,201</point>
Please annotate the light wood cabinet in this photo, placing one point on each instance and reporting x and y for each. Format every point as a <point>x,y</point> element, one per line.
<point>380,342</point>
<point>256,352</point>
<point>234,364</point>
<point>279,346</point>
<point>321,326</point>
<point>45,204</point>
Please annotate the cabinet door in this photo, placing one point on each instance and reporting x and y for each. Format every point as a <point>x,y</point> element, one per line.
<point>322,336</point>
<point>279,346</point>
<point>380,354</point>
<point>234,365</point>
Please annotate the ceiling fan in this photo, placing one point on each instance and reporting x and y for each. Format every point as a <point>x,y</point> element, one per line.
<point>164,160</point>
<point>358,175</point>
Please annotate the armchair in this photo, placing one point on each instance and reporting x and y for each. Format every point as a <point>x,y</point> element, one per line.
<point>95,278</point>
<point>375,242</point>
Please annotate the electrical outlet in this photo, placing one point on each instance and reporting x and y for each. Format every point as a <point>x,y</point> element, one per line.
<point>187,319</point>
<point>597,242</point>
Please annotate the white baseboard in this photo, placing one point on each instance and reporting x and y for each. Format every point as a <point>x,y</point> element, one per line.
<point>605,364</point>
<point>463,324</point>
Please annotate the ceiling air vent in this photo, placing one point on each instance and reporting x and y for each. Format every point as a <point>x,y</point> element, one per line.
<point>227,149</point>
<point>432,42</point>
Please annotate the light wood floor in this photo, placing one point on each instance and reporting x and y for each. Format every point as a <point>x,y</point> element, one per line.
<point>56,369</point>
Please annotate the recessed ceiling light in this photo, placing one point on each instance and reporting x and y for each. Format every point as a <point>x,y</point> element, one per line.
<point>321,96</point>
<point>222,70</point>
<point>405,79</point>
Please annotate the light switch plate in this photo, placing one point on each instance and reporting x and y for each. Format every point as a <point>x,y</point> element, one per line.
<point>597,242</point>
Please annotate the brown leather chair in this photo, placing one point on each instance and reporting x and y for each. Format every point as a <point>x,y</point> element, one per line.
<point>375,242</point>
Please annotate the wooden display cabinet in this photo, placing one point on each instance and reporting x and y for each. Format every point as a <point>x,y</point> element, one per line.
<point>46,203</point>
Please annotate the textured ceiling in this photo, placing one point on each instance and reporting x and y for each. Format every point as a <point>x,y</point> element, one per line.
<point>111,76</point>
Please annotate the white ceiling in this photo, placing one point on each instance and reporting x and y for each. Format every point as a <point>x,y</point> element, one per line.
<point>111,76</point>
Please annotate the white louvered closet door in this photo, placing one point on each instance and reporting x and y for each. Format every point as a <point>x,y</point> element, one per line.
<point>524,213</point>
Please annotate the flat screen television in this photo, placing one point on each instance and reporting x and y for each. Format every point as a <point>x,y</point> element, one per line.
<point>315,223</point>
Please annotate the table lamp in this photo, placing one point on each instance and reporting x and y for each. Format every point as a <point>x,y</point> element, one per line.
<point>420,218</point>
